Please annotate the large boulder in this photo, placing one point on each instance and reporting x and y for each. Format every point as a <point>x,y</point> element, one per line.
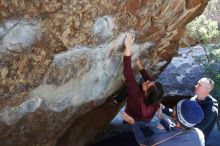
<point>61,59</point>
<point>182,74</point>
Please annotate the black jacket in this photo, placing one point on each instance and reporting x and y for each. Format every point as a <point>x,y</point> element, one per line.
<point>210,109</point>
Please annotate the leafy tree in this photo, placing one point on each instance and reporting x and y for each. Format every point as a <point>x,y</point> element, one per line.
<point>202,30</point>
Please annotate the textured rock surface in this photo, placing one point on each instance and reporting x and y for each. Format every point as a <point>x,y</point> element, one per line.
<point>183,72</point>
<point>59,60</point>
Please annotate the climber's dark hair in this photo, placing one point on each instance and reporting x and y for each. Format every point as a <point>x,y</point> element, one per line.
<point>154,94</point>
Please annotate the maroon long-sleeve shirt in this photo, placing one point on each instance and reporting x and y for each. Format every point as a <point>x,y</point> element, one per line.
<point>136,107</point>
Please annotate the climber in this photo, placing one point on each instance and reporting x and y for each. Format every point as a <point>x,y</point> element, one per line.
<point>142,103</point>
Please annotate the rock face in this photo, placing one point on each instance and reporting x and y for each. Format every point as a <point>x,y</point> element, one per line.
<point>60,60</point>
<point>183,73</point>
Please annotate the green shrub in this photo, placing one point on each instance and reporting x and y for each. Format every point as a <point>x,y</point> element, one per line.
<point>202,30</point>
